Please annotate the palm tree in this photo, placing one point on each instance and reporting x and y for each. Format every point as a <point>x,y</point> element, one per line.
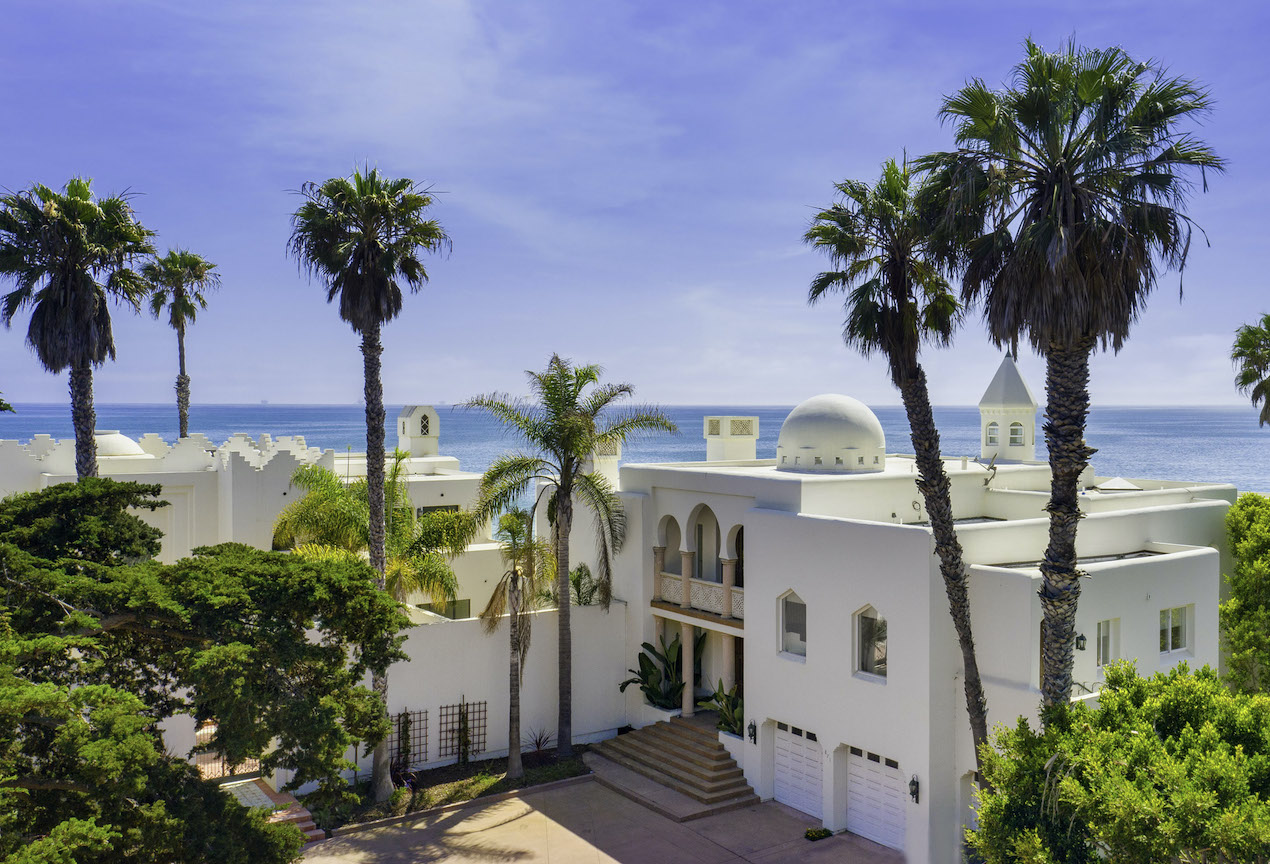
<point>177,282</point>
<point>529,562</point>
<point>66,254</point>
<point>563,427</point>
<point>876,239</point>
<point>1065,200</point>
<point>1251,356</point>
<point>363,237</point>
<point>331,523</point>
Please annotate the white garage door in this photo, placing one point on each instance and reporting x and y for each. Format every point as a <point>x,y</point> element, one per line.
<point>875,798</point>
<point>798,758</point>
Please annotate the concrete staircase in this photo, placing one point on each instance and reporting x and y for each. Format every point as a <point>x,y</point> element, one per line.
<point>298,815</point>
<point>684,756</point>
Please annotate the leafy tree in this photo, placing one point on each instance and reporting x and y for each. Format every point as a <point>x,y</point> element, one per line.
<point>178,282</point>
<point>1245,617</point>
<point>1174,767</point>
<point>66,254</point>
<point>1251,356</point>
<point>529,562</point>
<point>362,237</point>
<point>331,523</point>
<point>5,406</point>
<point>563,427</point>
<point>1065,200</point>
<point>876,238</point>
<point>99,644</point>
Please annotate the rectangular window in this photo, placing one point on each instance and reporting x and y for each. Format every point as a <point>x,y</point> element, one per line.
<point>794,612</point>
<point>1016,434</point>
<point>1108,641</point>
<point>872,644</point>
<point>1173,629</point>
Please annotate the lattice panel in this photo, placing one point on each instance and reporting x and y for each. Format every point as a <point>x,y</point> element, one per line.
<point>671,588</point>
<point>742,426</point>
<point>738,602</point>
<point>408,740</point>
<point>707,596</point>
<point>713,426</point>
<point>450,733</point>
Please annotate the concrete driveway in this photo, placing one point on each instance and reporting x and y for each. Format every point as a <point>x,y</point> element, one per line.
<point>586,822</point>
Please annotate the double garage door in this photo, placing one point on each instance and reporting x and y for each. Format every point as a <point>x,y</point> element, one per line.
<point>875,798</point>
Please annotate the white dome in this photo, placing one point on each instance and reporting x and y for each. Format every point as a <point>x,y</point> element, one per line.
<point>111,442</point>
<point>832,434</point>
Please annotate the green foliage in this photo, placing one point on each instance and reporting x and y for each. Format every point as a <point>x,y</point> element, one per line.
<point>814,834</point>
<point>1251,356</point>
<point>1170,767</point>
<point>5,406</point>
<point>97,648</point>
<point>660,673</point>
<point>730,705</point>
<point>178,282</point>
<point>1245,617</point>
<point>583,587</point>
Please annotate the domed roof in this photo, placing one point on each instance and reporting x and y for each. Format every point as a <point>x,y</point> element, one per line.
<point>831,433</point>
<point>111,442</point>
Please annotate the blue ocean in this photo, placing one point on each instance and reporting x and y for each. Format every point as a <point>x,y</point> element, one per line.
<point>1218,444</point>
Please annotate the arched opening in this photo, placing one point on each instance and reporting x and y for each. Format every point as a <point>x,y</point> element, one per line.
<point>668,536</point>
<point>704,536</point>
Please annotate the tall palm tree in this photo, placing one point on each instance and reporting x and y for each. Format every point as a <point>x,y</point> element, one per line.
<point>179,282</point>
<point>562,427</point>
<point>896,300</point>
<point>330,522</point>
<point>1251,356</point>
<point>1067,192</point>
<point>363,238</point>
<point>67,254</point>
<point>529,562</point>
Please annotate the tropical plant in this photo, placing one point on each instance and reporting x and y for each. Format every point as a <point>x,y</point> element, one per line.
<point>1168,768</point>
<point>363,237</point>
<point>1245,614</point>
<point>179,282</point>
<point>660,674</point>
<point>330,523</point>
<point>877,239</point>
<point>1251,356</point>
<point>584,588</point>
<point>1063,203</point>
<point>67,254</point>
<point>730,705</point>
<point>5,406</point>
<point>529,561</point>
<point>563,427</point>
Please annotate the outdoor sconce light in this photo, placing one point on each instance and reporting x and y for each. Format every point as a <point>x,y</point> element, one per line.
<point>753,732</point>
<point>1081,641</point>
<point>913,788</point>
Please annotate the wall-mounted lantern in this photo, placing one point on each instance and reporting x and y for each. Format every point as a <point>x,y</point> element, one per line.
<point>914,788</point>
<point>753,732</point>
<point>1081,642</point>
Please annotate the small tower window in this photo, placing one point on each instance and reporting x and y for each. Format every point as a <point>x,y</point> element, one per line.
<point>423,425</point>
<point>991,437</point>
<point>818,460</point>
<point>1016,434</point>
<point>837,460</point>
<point>860,460</point>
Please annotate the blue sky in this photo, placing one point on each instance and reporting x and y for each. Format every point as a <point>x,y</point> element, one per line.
<point>624,183</point>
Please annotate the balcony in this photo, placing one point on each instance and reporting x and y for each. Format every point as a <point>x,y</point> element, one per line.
<point>704,596</point>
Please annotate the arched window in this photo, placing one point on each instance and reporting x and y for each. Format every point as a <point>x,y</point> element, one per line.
<point>793,625</point>
<point>1016,434</point>
<point>870,642</point>
<point>991,438</point>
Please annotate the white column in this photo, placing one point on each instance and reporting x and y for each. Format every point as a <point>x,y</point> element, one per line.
<point>689,663</point>
<point>659,564</point>
<point>729,580</point>
<point>729,661</point>
<point>686,559</point>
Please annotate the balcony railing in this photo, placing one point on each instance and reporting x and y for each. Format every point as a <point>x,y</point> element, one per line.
<point>704,595</point>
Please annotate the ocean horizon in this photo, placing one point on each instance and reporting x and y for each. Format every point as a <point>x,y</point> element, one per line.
<point>1201,443</point>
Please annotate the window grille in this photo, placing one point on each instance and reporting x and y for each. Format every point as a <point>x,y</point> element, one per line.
<point>424,425</point>
<point>714,428</point>
<point>743,426</point>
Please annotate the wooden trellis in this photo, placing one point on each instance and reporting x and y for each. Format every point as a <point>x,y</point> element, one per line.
<point>408,740</point>
<point>462,730</point>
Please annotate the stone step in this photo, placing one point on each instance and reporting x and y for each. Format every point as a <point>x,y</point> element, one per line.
<point>706,734</point>
<point>687,784</point>
<point>654,795</point>
<point>656,754</point>
<point>673,736</point>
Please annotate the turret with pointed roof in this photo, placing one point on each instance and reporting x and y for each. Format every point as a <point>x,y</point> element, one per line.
<point>1007,417</point>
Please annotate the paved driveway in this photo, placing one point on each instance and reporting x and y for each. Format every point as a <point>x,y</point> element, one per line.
<point>588,823</point>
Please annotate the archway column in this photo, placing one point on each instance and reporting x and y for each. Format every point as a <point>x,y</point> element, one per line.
<point>729,581</point>
<point>687,561</point>
<point>659,564</point>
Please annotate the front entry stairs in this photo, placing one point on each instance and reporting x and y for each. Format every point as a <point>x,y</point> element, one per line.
<point>692,774</point>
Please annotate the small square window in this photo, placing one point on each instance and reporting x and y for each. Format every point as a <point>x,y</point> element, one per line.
<point>818,460</point>
<point>860,459</point>
<point>875,460</point>
<point>1173,635</point>
<point>837,460</point>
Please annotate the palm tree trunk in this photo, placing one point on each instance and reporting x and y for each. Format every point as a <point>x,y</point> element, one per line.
<point>937,493</point>
<point>381,779</point>
<point>182,386</point>
<point>84,419</point>
<point>564,722</point>
<point>1066,409</point>
<point>515,769</point>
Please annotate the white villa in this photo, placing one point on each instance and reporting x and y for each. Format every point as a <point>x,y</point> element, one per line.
<point>813,575</point>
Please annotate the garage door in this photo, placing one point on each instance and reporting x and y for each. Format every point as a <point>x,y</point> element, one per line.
<point>875,798</point>
<point>798,758</point>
